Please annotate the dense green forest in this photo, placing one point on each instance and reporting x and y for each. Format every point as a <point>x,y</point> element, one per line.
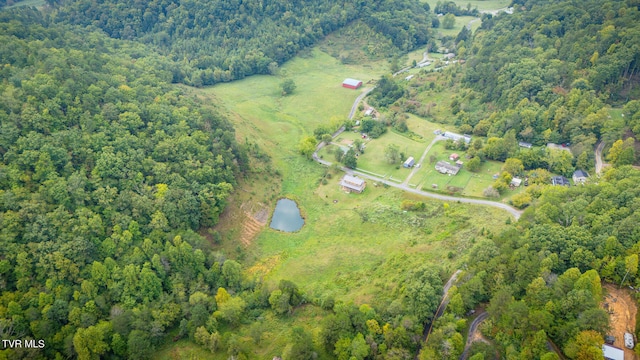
<point>542,279</point>
<point>107,172</point>
<point>215,41</point>
<point>109,175</point>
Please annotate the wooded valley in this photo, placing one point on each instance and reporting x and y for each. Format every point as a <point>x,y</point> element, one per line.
<point>114,177</point>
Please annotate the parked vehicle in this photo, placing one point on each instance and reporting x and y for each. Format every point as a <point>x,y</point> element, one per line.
<point>628,340</point>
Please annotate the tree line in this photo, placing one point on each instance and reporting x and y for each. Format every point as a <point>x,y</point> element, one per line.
<point>218,41</point>
<point>107,172</point>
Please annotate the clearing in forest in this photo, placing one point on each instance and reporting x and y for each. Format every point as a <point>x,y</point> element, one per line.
<point>622,316</point>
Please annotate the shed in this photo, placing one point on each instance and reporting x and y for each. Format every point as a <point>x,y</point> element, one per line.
<point>609,339</point>
<point>516,182</point>
<point>352,184</point>
<point>409,162</point>
<point>351,83</point>
<point>525,144</point>
<point>612,353</point>
<point>454,157</point>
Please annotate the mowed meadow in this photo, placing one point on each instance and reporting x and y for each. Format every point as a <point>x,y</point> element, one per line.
<point>353,247</point>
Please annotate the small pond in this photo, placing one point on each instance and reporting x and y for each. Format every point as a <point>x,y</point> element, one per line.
<point>286,216</point>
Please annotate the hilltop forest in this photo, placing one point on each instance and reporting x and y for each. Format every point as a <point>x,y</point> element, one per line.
<point>112,175</point>
<point>215,41</point>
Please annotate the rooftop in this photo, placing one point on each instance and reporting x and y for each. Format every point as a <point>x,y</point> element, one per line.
<point>580,173</point>
<point>352,82</point>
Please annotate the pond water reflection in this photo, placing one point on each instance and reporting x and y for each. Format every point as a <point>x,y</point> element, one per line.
<point>286,216</point>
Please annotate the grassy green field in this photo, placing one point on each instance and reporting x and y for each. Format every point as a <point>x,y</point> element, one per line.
<point>460,22</point>
<point>482,5</point>
<point>36,3</point>
<point>354,247</point>
<point>319,256</point>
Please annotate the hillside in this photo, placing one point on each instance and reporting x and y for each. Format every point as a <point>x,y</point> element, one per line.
<point>106,172</point>
<point>218,41</point>
<point>129,203</point>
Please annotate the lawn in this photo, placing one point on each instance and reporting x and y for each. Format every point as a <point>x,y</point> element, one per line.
<point>36,3</point>
<point>367,227</point>
<point>373,159</point>
<point>460,22</point>
<point>354,247</point>
<point>480,4</point>
<point>472,184</point>
<point>262,114</point>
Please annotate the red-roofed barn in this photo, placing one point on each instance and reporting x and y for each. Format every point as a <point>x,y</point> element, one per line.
<point>351,83</point>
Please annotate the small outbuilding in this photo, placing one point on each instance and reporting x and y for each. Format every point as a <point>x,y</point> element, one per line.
<point>351,83</point>
<point>352,184</point>
<point>525,145</point>
<point>454,157</point>
<point>409,162</point>
<point>516,182</point>
<point>580,177</point>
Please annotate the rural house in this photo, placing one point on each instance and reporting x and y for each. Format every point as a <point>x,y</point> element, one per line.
<point>409,162</point>
<point>525,145</point>
<point>352,184</point>
<point>446,168</point>
<point>580,177</point>
<point>560,180</point>
<point>457,137</point>
<point>351,83</point>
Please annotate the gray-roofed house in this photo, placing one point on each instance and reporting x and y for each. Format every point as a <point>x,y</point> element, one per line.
<point>446,168</point>
<point>457,137</point>
<point>560,180</point>
<point>525,144</point>
<point>579,177</point>
<point>352,184</point>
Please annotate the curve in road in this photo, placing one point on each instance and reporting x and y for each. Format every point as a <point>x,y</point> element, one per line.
<point>472,330</point>
<point>513,211</point>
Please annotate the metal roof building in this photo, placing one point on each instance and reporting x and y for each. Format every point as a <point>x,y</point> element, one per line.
<point>351,83</point>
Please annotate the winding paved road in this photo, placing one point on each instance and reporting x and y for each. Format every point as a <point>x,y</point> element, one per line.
<point>444,302</point>
<point>357,101</point>
<point>513,211</point>
<point>472,330</point>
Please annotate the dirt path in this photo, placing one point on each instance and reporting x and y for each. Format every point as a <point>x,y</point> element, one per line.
<point>622,316</point>
<point>599,163</point>
<point>424,154</point>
